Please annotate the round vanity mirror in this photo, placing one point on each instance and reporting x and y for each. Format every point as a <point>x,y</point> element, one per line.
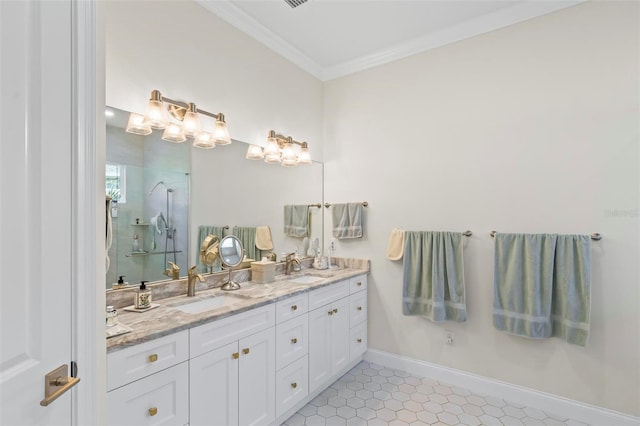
<point>231,255</point>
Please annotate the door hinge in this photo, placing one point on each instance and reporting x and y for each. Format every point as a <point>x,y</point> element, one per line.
<point>74,369</point>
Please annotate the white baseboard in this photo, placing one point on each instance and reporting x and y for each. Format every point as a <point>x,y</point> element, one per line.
<point>557,405</point>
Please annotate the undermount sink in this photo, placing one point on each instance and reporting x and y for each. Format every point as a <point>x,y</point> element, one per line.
<point>203,305</point>
<point>305,279</point>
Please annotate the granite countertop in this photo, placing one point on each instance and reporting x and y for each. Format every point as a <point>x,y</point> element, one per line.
<point>164,319</point>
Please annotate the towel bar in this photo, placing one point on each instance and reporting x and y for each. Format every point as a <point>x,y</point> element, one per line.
<point>317,205</point>
<point>364,204</point>
<point>467,233</point>
<point>595,236</point>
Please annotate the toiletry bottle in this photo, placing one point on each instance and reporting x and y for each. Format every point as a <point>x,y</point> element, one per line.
<point>120,283</point>
<point>112,316</point>
<point>143,296</point>
<point>136,243</point>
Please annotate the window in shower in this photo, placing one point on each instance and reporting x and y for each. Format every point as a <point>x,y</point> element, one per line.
<point>115,182</point>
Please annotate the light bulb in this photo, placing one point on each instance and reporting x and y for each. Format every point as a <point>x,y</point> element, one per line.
<point>305,156</point>
<point>204,140</point>
<point>289,157</point>
<point>173,133</point>
<point>254,152</point>
<point>156,115</point>
<point>190,122</point>
<point>272,147</point>
<point>220,131</point>
<point>137,125</point>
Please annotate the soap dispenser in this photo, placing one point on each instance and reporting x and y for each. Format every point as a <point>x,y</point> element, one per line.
<point>143,296</point>
<point>120,283</point>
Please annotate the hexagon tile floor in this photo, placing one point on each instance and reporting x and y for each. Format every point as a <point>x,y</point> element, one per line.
<point>371,395</point>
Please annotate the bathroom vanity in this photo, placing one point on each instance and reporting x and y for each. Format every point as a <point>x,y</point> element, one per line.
<point>250,357</point>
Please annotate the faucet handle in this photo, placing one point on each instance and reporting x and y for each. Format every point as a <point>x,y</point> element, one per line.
<point>192,270</point>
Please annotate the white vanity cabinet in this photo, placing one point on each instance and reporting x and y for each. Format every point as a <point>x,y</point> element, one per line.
<point>357,316</point>
<point>328,332</point>
<point>292,347</point>
<point>148,383</point>
<point>232,370</point>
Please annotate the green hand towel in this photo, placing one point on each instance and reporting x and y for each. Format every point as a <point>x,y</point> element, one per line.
<point>296,220</point>
<point>247,236</point>
<point>433,278</point>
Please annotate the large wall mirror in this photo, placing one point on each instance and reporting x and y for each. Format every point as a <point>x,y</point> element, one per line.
<point>165,192</point>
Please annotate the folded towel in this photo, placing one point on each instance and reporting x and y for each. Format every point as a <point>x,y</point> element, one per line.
<point>433,278</point>
<point>203,231</point>
<point>396,244</point>
<point>296,220</point>
<point>263,238</point>
<point>571,304</point>
<point>347,220</point>
<point>247,236</point>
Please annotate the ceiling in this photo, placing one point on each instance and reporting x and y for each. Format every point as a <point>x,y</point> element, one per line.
<point>333,38</point>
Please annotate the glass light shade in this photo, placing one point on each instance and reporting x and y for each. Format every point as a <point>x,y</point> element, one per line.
<point>221,133</point>
<point>289,157</point>
<point>305,156</point>
<point>191,124</point>
<point>254,152</point>
<point>137,125</point>
<point>174,133</point>
<point>272,147</point>
<point>156,115</point>
<point>204,140</point>
<point>272,158</point>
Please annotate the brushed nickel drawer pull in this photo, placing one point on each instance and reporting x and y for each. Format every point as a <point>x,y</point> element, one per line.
<point>153,357</point>
<point>153,411</point>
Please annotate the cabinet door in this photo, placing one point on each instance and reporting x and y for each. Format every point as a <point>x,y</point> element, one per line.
<point>339,335</point>
<point>214,387</point>
<point>258,378</point>
<point>159,399</point>
<point>319,346</point>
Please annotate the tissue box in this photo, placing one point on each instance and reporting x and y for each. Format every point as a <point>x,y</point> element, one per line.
<point>263,272</point>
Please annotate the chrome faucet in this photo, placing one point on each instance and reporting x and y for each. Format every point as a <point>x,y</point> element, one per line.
<point>290,260</point>
<point>191,281</point>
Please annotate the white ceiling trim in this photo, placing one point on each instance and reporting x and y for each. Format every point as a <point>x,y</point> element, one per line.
<point>239,19</point>
<point>470,28</point>
<point>522,11</point>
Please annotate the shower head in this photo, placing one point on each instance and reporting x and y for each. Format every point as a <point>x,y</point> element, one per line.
<point>158,184</point>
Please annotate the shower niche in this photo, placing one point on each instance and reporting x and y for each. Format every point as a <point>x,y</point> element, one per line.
<point>148,181</point>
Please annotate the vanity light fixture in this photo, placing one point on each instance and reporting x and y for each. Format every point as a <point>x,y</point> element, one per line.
<point>280,150</point>
<point>187,124</point>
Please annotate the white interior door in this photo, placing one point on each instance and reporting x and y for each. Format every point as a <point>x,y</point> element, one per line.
<point>35,207</point>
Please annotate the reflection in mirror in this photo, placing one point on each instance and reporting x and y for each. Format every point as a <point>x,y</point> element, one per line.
<point>223,193</point>
<point>148,181</point>
<point>231,255</point>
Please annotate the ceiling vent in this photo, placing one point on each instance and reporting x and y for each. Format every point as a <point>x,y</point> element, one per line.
<point>295,3</point>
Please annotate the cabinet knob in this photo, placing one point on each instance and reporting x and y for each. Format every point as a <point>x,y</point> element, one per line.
<point>359,308</point>
<point>359,340</point>
<point>359,284</point>
<point>245,351</point>
<point>294,341</point>
<point>335,311</point>
<point>330,312</point>
<point>294,307</point>
<point>153,357</point>
<point>294,385</point>
<point>235,355</point>
<point>153,411</point>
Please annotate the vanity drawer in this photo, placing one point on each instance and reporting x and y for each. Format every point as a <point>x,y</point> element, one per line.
<point>141,360</point>
<point>210,336</point>
<point>292,340</point>
<point>357,308</point>
<point>292,385</point>
<point>357,341</point>
<point>328,294</point>
<point>357,283</point>
<point>292,307</point>
<point>161,399</point>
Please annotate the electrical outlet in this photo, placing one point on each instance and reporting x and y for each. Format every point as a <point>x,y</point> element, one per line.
<point>332,245</point>
<point>448,337</point>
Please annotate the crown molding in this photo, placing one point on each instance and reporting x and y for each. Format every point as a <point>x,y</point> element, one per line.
<point>227,11</point>
<point>519,12</point>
